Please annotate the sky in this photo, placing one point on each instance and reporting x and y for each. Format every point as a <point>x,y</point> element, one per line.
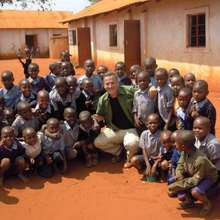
<point>61,5</point>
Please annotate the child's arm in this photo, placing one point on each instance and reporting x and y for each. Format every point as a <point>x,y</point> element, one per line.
<point>146,159</point>
<point>169,119</point>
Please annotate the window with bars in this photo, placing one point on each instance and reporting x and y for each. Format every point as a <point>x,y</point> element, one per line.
<point>72,37</point>
<point>113,35</point>
<point>197,30</point>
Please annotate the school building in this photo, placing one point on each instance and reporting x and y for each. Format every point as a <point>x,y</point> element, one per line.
<point>40,30</point>
<point>181,34</point>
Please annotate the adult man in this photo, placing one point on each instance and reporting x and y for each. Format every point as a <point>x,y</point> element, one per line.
<point>115,107</point>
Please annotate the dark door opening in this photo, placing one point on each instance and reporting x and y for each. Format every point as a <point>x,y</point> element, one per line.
<point>132,43</point>
<point>31,41</point>
<point>84,44</point>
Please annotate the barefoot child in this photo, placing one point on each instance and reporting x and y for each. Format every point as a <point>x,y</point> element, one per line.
<point>143,105</point>
<point>11,155</point>
<point>195,174</point>
<point>150,145</point>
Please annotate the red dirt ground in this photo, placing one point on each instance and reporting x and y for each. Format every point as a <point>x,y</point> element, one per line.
<point>105,192</point>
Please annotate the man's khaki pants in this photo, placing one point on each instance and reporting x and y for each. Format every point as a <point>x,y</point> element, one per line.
<point>111,141</point>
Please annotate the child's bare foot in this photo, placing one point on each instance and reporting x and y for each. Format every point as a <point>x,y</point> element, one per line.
<point>206,209</point>
<point>23,178</point>
<point>128,165</point>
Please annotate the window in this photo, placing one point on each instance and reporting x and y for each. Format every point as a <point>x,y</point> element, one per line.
<point>113,38</point>
<point>72,37</point>
<point>197,30</point>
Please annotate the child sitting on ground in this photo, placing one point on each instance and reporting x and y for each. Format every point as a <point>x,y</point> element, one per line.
<point>10,92</point>
<point>60,98</point>
<point>11,155</point>
<point>150,145</point>
<point>55,71</point>
<point>206,142</point>
<point>165,100</point>
<point>87,99</point>
<point>37,82</point>
<point>88,131</point>
<point>53,145</point>
<point>143,105</point>
<point>200,104</point>
<point>183,118</point>
<point>195,174</point>
<point>70,129</point>
<point>123,79</point>
<point>27,94</point>
<point>33,150</point>
<point>190,80</point>
<point>24,119</point>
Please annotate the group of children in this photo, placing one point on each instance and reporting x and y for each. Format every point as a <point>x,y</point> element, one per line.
<point>46,122</point>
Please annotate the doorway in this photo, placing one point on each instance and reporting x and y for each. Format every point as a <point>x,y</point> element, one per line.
<point>132,43</point>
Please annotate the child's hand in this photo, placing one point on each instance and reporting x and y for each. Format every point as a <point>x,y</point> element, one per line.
<point>77,145</point>
<point>137,122</point>
<point>194,114</point>
<point>88,103</point>
<point>152,93</point>
<point>148,170</point>
<point>49,160</point>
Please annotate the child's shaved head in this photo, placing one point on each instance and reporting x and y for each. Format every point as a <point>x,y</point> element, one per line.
<point>201,84</point>
<point>186,138</point>
<point>202,120</point>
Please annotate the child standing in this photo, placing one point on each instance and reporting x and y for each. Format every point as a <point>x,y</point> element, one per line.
<point>195,174</point>
<point>55,71</point>
<point>190,80</point>
<point>11,155</point>
<point>86,100</point>
<point>8,116</point>
<point>150,66</point>
<point>183,118</point>
<point>123,79</point>
<point>206,142</point>
<point>37,82</point>
<point>89,67</point>
<point>60,98</point>
<point>165,99</point>
<point>200,104</point>
<point>27,94</point>
<point>10,92</point>
<point>24,119</point>
<point>143,105</point>
<point>101,70</point>
<point>134,71</point>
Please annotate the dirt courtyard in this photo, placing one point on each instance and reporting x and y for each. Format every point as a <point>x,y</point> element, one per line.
<point>101,193</point>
